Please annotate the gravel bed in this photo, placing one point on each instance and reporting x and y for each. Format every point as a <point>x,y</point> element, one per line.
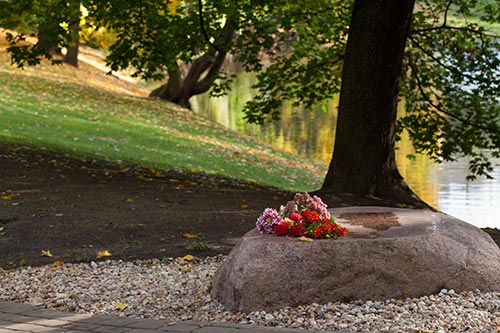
<point>180,290</point>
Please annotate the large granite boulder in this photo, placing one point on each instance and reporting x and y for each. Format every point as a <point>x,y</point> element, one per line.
<point>388,253</point>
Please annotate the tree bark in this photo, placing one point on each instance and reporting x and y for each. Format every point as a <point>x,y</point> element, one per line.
<point>71,56</point>
<point>178,90</point>
<point>363,162</point>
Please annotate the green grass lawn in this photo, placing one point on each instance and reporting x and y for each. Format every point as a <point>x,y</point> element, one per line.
<point>84,113</point>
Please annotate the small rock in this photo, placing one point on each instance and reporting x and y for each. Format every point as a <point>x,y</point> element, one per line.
<point>269,317</point>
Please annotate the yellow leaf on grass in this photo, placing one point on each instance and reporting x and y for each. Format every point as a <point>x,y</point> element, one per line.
<point>45,253</point>
<point>5,196</point>
<point>121,306</point>
<point>190,235</point>
<point>244,206</point>
<point>305,239</point>
<point>129,200</point>
<point>103,253</point>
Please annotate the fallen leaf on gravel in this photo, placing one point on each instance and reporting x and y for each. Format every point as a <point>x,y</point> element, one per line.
<point>244,206</point>
<point>305,239</point>
<point>190,235</point>
<point>129,200</point>
<point>184,260</point>
<point>73,271</point>
<point>56,265</point>
<point>46,253</point>
<point>103,253</point>
<point>121,306</point>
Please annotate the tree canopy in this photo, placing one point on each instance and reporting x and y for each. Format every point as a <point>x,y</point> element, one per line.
<point>450,75</point>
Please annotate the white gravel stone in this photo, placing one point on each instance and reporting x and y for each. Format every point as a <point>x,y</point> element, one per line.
<point>180,290</point>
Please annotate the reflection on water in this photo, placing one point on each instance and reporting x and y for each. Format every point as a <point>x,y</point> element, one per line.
<point>476,202</point>
<point>310,135</point>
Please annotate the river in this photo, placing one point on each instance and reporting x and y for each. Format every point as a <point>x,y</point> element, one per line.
<point>310,134</point>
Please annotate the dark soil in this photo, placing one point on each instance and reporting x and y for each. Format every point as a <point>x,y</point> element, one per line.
<point>74,208</point>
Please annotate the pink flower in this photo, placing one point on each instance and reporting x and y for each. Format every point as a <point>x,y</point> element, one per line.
<point>295,217</point>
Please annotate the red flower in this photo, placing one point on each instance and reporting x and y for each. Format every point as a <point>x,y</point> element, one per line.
<point>310,216</point>
<point>327,226</point>
<point>295,217</point>
<point>297,230</point>
<point>317,232</point>
<point>340,231</point>
<point>281,229</point>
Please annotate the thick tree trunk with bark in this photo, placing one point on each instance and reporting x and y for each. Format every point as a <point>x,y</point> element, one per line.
<point>202,72</point>
<point>180,89</point>
<point>363,162</point>
<point>71,56</point>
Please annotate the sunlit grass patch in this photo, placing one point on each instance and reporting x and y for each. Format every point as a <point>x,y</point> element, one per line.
<point>81,112</point>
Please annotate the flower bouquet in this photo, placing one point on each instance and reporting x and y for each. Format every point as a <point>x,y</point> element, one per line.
<point>302,217</point>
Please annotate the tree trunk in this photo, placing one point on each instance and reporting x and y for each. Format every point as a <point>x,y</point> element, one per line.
<point>71,56</point>
<point>179,90</point>
<point>46,41</point>
<point>363,162</point>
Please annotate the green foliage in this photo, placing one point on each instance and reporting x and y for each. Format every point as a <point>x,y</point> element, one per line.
<point>303,47</point>
<point>450,81</point>
<point>47,20</point>
<point>201,246</point>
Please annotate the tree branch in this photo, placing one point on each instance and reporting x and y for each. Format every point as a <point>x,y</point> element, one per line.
<point>205,84</point>
<point>202,27</point>
<point>439,109</point>
<point>198,67</point>
<point>450,27</point>
<point>446,12</point>
<point>449,68</point>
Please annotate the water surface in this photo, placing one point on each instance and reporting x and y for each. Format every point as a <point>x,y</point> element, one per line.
<point>310,135</point>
